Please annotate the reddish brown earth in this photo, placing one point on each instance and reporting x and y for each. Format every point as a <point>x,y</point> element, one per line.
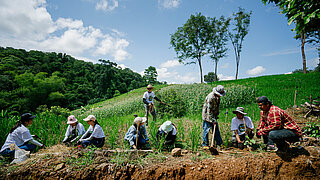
<point>302,161</point>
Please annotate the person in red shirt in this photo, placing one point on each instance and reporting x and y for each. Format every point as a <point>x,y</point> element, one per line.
<point>276,126</point>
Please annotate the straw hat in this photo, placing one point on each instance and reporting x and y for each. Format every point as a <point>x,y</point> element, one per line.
<point>72,119</point>
<point>219,90</point>
<point>139,120</point>
<point>239,110</point>
<point>149,86</point>
<point>166,126</point>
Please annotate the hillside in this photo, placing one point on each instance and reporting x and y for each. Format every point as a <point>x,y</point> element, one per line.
<point>185,104</point>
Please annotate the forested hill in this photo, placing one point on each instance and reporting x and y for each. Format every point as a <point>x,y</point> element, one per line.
<point>29,79</point>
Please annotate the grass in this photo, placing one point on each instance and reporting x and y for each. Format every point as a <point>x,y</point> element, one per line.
<point>116,115</point>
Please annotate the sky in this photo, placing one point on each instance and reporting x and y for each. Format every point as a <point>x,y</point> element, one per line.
<point>136,34</point>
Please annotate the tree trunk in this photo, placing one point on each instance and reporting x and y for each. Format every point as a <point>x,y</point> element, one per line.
<point>303,40</point>
<point>199,60</point>
<point>215,71</point>
<point>237,59</point>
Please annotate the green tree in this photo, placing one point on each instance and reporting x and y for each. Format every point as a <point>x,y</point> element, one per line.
<point>191,41</point>
<point>211,77</point>
<point>306,16</point>
<point>218,41</point>
<point>241,22</point>
<point>150,75</point>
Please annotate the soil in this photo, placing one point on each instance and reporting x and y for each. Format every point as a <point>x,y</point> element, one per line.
<point>302,161</point>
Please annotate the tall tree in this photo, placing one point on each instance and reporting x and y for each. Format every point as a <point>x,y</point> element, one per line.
<point>150,74</point>
<point>305,15</point>
<point>218,40</point>
<point>241,21</point>
<point>191,40</point>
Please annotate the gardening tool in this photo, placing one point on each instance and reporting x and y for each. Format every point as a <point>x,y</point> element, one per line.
<point>213,150</point>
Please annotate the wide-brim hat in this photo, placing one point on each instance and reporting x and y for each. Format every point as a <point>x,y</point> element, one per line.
<point>139,120</point>
<point>27,116</point>
<point>219,90</point>
<point>166,126</point>
<point>72,119</point>
<point>90,118</point>
<point>239,110</point>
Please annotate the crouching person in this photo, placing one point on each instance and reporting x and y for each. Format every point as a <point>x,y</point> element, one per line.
<point>20,136</point>
<point>168,131</point>
<point>94,135</point>
<point>241,126</point>
<point>137,134</point>
<point>74,131</point>
<point>276,126</point>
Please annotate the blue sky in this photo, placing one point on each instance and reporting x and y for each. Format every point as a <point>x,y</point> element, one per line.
<point>136,34</point>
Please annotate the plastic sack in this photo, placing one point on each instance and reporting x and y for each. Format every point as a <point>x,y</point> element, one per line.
<point>20,155</point>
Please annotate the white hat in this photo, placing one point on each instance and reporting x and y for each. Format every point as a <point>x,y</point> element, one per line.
<point>166,126</point>
<point>72,119</point>
<point>219,90</point>
<point>90,118</point>
<point>239,110</point>
<point>139,120</point>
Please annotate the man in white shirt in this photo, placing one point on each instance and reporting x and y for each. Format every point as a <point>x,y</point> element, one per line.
<point>148,97</point>
<point>241,126</point>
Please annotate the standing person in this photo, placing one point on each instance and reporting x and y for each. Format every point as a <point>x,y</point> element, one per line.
<point>74,131</point>
<point>169,130</point>
<point>276,126</point>
<point>210,114</point>
<point>148,97</point>
<point>20,135</point>
<point>241,126</point>
<point>137,130</point>
<point>94,135</point>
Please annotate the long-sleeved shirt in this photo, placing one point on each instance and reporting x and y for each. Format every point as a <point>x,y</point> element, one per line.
<point>132,132</point>
<point>96,132</point>
<point>276,119</point>
<point>210,110</point>
<point>74,131</point>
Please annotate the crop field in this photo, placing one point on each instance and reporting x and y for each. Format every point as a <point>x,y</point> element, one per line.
<point>184,106</point>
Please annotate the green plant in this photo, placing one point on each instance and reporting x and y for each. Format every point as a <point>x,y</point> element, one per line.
<point>312,129</point>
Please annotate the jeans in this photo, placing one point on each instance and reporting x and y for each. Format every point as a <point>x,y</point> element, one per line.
<point>206,128</point>
<point>152,111</point>
<point>98,142</point>
<point>279,137</point>
<point>28,147</point>
<point>141,141</point>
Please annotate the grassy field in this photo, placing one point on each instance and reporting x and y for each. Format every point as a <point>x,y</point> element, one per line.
<point>116,115</point>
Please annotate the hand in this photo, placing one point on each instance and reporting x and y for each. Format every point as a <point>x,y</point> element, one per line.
<point>134,146</point>
<point>43,146</point>
<point>258,136</point>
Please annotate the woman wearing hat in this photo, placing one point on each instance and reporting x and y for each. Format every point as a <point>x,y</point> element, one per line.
<point>137,129</point>
<point>74,131</point>
<point>94,135</point>
<point>168,130</point>
<point>20,136</point>
<point>241,125</point>
<point>147,98</point>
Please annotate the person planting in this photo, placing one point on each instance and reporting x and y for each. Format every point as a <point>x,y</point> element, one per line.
<point>148,97</point>
<point>20,136</point>
<point>210,112</point>
<point>94,135</point>
<point>74,131</point>
<point>276,126</point>
<point>241,126</point>
<point>137,134</point>
<point>169,131</point>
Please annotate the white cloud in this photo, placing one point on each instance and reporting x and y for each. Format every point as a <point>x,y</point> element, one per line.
<point>28,25</point>
<point>170,64</point>
<point>288,51</point>
<point>313,62</point>
<point>223,77</point>
<point>169,4</point>
<point>256,71</point>
<point>107,5</point>
<point>225,66</point>
<point>187,78</point>
<point>175,77</point>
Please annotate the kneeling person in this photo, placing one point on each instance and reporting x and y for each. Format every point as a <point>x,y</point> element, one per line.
<point>168,130</point>
<point>94,135</point>
<point>137,134</point>
<point>241,126</point>
<point>74,131</point>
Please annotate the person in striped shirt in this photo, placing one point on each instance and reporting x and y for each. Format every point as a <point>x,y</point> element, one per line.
<point>276,126</point>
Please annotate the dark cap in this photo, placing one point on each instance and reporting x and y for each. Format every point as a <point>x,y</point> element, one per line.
<point>263,100</point>
<point>27,116</point>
